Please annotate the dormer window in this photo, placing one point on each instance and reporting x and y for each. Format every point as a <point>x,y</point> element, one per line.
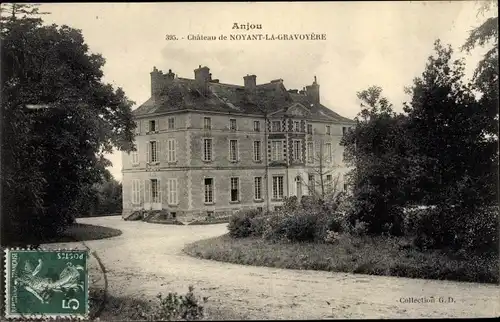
<point>328,130</point>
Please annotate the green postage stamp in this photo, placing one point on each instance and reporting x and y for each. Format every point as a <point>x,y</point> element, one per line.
<point>46,283</point>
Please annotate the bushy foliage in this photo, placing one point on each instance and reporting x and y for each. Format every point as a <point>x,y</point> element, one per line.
<point>242,224</point>
<point>442,152</point>
<point>174,307</point>
<point>457,228</point>
<point>52,157</point>
<point>307,221</point>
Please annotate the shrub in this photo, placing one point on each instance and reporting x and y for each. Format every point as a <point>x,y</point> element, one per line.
<point>258,225</point>
<point>274,226</point>
<point>458,228</point>
<point>240,224</point>
<point>369,205</point>
<point>359,228</point>
<point>174,307</point>
<point>300,226</point>
<point>480,231</point>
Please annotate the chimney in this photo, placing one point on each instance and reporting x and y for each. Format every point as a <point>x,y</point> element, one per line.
<point>202,74</point>
<point>250,82</point>
<point>170,75</point>
<point>156,77</point>
<point>293,91</point>
<point>312,91</point>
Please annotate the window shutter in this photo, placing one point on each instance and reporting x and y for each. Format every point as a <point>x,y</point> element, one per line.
<point>174,147</point>
<point>134,187</point>
<point>147,126</point>
<point>160,192</point>
<point>158,150</point>
<point>174,188</point>
<point>163,124</point>
<point>147,191</point>
<point>148,157</point>
<point>141,191</point>
<point>168,190</point>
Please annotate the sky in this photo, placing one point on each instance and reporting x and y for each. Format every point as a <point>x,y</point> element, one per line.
<point>367,43</point>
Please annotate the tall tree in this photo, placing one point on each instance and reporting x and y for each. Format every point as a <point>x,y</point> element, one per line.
<point>486,82</point>
<point>376,148</point>
<point>52,156</point>
<point>447,127</point>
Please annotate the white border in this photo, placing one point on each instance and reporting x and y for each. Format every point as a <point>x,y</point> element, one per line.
<point>10,315</point>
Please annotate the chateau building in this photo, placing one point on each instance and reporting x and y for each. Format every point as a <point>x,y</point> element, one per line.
<point>205,148</point>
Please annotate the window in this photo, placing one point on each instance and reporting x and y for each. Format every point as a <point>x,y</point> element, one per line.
<point>297,126</point>
<point>329,177</point>
<point>233,150</point>
<point>256,126</point>
<point>209,190</point>
<point>210,214</point>
<point>328,152</point>
<point>345,186</point>
<point>296,150</point>
<point>344,130</point>
<point>152,125</point>
<point>153,152</point>
<point>328,131</point>
<point>276,150</point>
<point>171,123</point>
<point>173,214</point>
<point>259,209</point>
<point>256,151</point>
<point>172,191</point>
<point>234,190</point>
<point>207,149</point>
<point>207,123</point>
<point>310,152</point>
<point>135,156</point>
<point>257,188</point>
<point>135,191</point>
<point>232,124</point>
<point>278,187</point>
<point>276,126</point>
<point>312,183</point>
<point>155,191</point>
<point>309,129</point>
<point>171,150</point>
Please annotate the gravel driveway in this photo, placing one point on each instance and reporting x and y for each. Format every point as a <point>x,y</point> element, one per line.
<point>147,259</point>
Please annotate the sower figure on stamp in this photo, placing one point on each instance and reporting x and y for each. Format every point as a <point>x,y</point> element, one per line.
<point>43,288</point>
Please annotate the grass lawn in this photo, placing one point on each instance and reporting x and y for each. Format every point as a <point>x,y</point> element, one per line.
<point>363,255</point>
<point>82,232</point>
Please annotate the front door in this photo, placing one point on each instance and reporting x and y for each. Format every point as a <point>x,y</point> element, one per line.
<point>153,195</point>
<point>298,188</point>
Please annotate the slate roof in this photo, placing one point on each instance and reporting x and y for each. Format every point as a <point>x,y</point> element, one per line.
<point>183,93</point>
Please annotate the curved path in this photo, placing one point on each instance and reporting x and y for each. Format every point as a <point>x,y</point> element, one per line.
<point>147,259</point>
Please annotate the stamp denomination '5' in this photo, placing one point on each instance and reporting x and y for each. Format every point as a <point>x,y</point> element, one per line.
<point>46,283</point>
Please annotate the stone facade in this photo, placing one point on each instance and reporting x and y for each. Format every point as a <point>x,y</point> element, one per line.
<point>197,154</point>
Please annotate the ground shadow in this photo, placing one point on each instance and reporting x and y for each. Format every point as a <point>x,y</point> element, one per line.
<point>84,232</point>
